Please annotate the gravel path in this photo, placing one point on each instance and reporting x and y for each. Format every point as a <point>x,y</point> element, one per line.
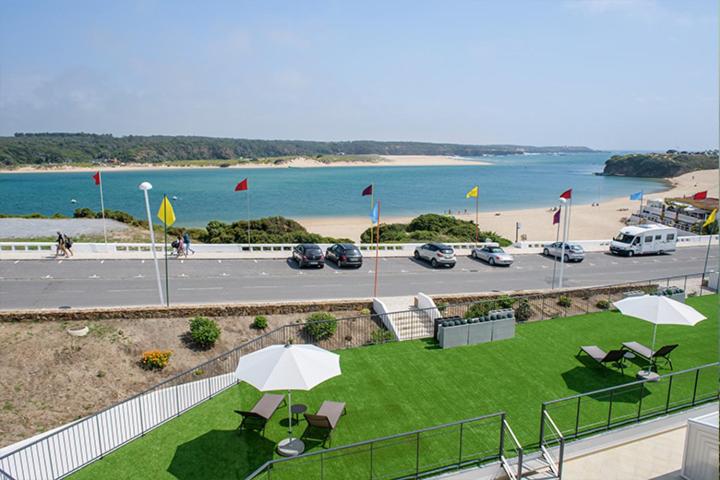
<point>41,227</point>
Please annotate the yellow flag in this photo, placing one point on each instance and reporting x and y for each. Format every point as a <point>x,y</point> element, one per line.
<point>166,213</point>
<point>472,193</point>
<point>710,219</point>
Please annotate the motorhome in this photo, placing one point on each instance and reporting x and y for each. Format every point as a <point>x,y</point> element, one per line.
<point>644,239</point>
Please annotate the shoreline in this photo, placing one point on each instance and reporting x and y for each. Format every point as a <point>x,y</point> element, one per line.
<point>297,162</point>
<point>587,222</point>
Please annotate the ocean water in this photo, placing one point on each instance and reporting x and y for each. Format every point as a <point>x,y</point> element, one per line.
<point>511,182</point>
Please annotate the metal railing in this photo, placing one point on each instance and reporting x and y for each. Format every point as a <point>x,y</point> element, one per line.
<point>416,454</point>
<point>516,449</point>
<point>556,440</point>
<point>587,413</point>
<point>5,476</point>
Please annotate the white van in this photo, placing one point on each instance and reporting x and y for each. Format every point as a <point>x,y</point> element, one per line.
<point>644,240</point>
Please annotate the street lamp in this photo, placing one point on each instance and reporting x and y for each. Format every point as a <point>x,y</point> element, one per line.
<point>145,186</point>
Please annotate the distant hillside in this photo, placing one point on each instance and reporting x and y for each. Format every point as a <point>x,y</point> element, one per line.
<point>660,165</point>
<point>63,148</point>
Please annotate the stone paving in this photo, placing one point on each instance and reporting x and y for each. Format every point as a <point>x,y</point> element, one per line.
<point>41,227</point>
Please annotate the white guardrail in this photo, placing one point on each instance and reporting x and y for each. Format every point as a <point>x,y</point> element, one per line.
<point>273,250</point>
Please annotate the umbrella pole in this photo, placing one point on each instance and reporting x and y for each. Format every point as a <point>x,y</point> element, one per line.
<point>290,415</point>
<point>652,348</point>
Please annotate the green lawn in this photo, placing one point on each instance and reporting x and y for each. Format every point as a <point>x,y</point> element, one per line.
<point>404,386</point>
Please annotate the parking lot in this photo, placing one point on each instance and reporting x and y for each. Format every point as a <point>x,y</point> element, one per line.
<point>87,283</point>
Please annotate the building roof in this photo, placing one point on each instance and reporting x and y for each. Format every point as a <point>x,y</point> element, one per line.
<point>706,204</point>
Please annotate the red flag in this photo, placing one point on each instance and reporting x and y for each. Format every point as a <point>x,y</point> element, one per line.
<point>556,217</point>
<point>241,186</point>
<point>700,195</point>
<point>567,194</point>
<point>367,191</point>
<point>96,177</point>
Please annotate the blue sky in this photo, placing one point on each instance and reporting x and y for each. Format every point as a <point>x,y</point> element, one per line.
<point>608,74</point>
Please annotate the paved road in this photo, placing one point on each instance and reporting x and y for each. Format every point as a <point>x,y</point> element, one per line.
<point>88,283</point>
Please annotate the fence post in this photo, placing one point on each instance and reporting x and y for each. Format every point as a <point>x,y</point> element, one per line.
<point>641,389</point>
<point>697,374</point>
<point>177,399</point>
<point>371,460</point>
<point>417,455</point>
<point>142,423</point>
<point>322,465</point>
<point>461,445</point>
<point>667,400</point>
<point>612,395</point>
<point>97,424</point>
<point>685,285</point>
<point>577,418</point>
<point>542,424</point>
<point>501,447</point>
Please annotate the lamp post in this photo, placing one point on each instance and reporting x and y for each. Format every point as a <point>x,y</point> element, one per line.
<point>145,186</point>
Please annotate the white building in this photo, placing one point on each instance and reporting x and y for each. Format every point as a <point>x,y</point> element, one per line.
<point>682,213</point>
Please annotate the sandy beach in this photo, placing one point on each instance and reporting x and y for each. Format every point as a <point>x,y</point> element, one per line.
<point>587,222</point>
<point>297,162</point>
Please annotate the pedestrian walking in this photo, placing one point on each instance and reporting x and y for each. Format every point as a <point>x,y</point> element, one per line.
<point>60,247</point>
<point>180,247</point>
<point>68,245</point>
<point>186,241</point>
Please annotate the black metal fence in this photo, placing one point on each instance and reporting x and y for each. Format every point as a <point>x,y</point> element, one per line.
<point>587,413</point>
<point>416,454</point>
<point>75,445</point>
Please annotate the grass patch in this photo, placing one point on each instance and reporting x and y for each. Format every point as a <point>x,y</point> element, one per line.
<point>403,386</point>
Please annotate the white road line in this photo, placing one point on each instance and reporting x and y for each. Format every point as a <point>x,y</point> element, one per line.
<point>59,262</point>
<point>127,290</point>
<point>47,276</point>
<point>139,275</point>
<point>219,261</point>
<point>93,276</point>
<point>201,288</point>
<point>224,274</point>
<point>261,273</point>
<point>142,261</point>
<point>254,261</point>
<point>16,262</point>
<point>183,275</point>
<point>102,261</point>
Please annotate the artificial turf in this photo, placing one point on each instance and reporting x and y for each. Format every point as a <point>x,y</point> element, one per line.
<point>403,386</point>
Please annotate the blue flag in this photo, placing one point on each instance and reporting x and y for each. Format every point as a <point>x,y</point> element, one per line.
<point>374,214</point>
<point>637,196</point>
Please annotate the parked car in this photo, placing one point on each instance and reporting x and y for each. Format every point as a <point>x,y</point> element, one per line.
<point>494,255</point>
<point>573,252</point>
<point>438,254</point>
<point>308,255</point>
<point>344,255</point>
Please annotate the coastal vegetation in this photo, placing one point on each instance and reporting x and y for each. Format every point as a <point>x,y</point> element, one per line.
<point>660,165</point>
<point>86,148</point>
<point>431,227</point>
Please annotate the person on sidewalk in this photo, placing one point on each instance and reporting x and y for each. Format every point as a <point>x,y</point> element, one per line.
<point>68,245</point>
<point>186,241</point>
<point>60,247</point>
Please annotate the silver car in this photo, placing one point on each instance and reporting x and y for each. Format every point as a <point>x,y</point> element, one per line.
<point>493,255</point>
<point>573,251</point>
<point>438,254</point>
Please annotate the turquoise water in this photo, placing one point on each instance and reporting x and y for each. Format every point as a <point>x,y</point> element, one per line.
<point>511,182</point>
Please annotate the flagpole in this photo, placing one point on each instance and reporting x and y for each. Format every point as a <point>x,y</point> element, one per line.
<point>372,204</point>
<point>557,239</point>
<point>640,217</point>
<point>477,224</point>
<point>707,255</point>
<point>248,218</point>
<point>102,207</point>
<point>167,277</point>
<point>377,249</point>
<point>562,250</point>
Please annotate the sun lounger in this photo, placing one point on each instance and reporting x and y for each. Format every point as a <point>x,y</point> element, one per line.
<point>642,351</point>
<point>261,412</point>
<point>597,354</point>
<point>326,418</point>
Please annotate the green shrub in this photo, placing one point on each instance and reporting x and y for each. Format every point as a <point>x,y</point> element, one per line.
<point>320,325</point>
<point>523,312</point>
<point>365,311</point>
<point>505,302</point>
<point>564,301</point>
<point>380,336</point>
<point>260,323</point>
<point>480,309</point>
<point>442,306</point>
<point>204,331</point>
<point>603,304</point>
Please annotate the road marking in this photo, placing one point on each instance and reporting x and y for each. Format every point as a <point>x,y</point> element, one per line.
<point>403,271</point>
<point>59,262</point>
<point>224,274</point>
<point>335,271</point>
<point>94,275</point>
<point>254,261</point>
<point>127,290</point>
<point>219,261</point>
<point>16,262</point>
<point>614,263</point>
<point>47,276</point>
<point>592,264</point>
<point>635,262</point>
<point>201,288</point>
<point>518,268</point>
<point>183,275</point>
<point>102,261</point>
<point>142,261</point>
<point>545,266</point>
<point>261,273</point>
<point>182,261</point>
<point>139,275</point>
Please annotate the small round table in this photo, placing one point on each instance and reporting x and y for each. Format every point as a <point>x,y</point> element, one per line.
<point>296,410</point>
<point>648,376</point>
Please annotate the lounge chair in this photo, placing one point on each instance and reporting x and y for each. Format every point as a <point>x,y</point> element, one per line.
<point>326,418</point>
<point>642,351</point>
<point>597,354</point>
<point>261,412</point>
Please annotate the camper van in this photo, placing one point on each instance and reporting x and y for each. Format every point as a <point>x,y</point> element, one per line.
<point>644,240</point>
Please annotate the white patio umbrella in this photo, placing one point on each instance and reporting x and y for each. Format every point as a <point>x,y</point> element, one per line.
<point>288,367</point>
<point>659,310</point>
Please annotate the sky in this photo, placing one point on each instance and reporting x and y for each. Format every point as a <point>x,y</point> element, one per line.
<point>608,74</point>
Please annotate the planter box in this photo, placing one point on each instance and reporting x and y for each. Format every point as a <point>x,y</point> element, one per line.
<point>480,332</point>
<point>453,336</point>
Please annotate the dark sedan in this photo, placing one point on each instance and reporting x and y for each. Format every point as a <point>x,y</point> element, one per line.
<point>344,255</point>
<point>308,255</point>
